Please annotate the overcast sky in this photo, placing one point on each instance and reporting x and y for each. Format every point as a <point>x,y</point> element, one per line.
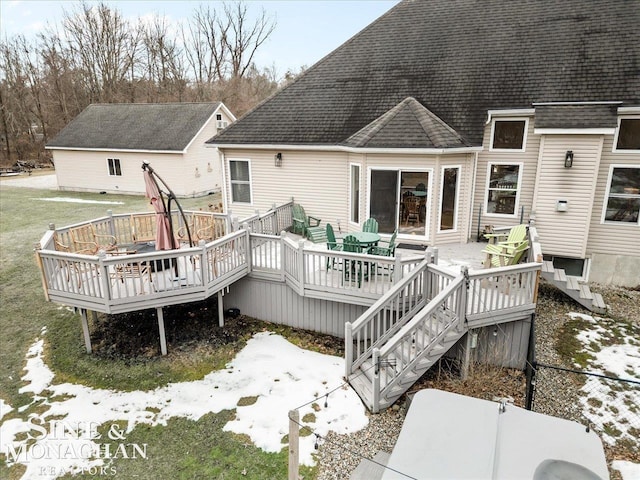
<point>306,30</point>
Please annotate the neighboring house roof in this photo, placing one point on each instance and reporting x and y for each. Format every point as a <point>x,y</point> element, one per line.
<point>407,125</point>
<point>458,59</point>
<point>135,126</point>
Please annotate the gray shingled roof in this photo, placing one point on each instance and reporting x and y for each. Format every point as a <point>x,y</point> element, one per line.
<point>135,126</point>
<point>407,125</point>
<point>458,59</point>
<point>577,116</point>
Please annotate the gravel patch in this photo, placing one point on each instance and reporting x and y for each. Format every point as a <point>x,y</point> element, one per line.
<point>47,181</point>
<point>557,394</point>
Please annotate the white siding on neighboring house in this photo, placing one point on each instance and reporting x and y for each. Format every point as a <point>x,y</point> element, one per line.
<point>528,159</point>
<point>208,177</point>
<point>565,233</point>
<point>88,170</point>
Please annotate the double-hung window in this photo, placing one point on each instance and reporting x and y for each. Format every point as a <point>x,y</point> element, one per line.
<point>114,167</point>
<point>503,188</point>
<point>622,201</point>
<point>240,175</point>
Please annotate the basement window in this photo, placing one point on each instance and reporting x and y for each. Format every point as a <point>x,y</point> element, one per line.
<point>114,167</point>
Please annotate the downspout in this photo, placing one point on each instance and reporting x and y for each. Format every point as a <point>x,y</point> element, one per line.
<point>473,195</point>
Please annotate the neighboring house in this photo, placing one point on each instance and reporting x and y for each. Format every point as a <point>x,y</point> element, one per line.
<point>490,115</point>
<point>103,148</point>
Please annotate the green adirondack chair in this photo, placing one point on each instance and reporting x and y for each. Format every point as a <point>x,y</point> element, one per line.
<point>353,269</point>
<point>306,225</point>
<point>370,225</point>
<point>503,255</point>
<point>332,244</point>
<point>389,250</point>
<point>515,236</point>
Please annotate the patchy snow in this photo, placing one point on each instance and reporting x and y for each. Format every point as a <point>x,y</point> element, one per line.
<point>281,376</point>
<point>628,470</point>
<point>77,200</point>
<point>612,407</point>
<point>4,408</point>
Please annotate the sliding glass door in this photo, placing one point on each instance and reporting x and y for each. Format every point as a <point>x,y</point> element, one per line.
<point>399,200</point>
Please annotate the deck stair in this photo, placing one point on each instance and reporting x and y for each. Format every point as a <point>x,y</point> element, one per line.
<point>574,288</point>
<point>387,353</point>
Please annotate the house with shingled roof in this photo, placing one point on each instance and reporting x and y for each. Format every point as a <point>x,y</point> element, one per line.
<point>102,149</point>
<point>489,114</point>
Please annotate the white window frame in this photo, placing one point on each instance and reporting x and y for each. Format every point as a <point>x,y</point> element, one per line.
<point>615,138</point>
<point>243,182</point>
<point>351,165</point>
<point>518,189</point>
<point>509,119</point>
<point>457,200</point>
<point>111,165</point>
<point>607,193</point>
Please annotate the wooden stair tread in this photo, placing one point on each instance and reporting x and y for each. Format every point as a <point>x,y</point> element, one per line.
<point>559,275</point>
<point>572,283</point>
<point>585,292</point>
<point>547,266</point>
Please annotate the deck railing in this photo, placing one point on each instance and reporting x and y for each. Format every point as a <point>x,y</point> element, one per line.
<point>116,283</point>
<point>274,221</point>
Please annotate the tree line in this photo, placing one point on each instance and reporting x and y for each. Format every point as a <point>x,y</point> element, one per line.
<point>95,55</point>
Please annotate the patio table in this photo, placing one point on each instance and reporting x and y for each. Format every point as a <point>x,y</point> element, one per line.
<point>366,239</point>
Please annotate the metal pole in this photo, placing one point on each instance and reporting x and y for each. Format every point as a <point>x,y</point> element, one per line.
<point>530,370</point>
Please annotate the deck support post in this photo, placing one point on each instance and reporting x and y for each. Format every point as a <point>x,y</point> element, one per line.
<point>163,339</point>
<point>85,329</point>
<point>466,360</point>
<point>220,310</point>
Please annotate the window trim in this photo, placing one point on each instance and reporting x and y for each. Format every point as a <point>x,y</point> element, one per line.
<point>351,165</point>
<point>509,119</point>
<point>518,189</point>
<point>615,137</point>
<point>244,182</point>
<point>115,167</point>
<point>605,200</point>
<point>457,200</point>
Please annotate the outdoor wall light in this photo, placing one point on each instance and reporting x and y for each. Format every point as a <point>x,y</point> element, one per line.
<point>278,159</point>
<point>568,159</point>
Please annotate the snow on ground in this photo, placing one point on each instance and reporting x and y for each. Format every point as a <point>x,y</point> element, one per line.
<point>613,408</point>
<point>77,200</point>
<point>280,375</point>
<point>628,470</point>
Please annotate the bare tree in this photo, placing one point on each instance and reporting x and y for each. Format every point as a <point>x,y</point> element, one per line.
<point>104,47</point>
<point>243,38</point>
<point>163,63</point>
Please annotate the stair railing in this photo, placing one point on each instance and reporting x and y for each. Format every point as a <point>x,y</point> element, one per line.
<point>385,317</point>
<point>401,354</point>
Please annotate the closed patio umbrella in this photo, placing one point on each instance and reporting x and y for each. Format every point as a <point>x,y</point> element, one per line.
<point>164,236</point>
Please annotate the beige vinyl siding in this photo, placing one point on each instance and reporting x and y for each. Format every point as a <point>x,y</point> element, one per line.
<point>565,233</point>
<point>528,159</point>
<point>87,171</point>
<point>609,238</point>
<point>319,181</point>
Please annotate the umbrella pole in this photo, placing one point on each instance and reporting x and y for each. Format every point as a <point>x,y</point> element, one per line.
<point>170,196</point>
